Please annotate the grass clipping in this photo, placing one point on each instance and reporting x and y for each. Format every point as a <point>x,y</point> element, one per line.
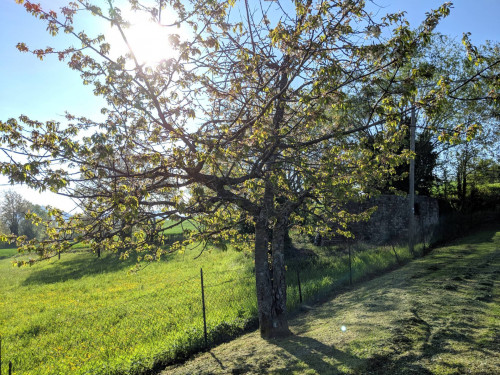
<point>437,315</point>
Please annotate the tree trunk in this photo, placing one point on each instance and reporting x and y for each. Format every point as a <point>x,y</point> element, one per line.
<point>263,277</point>
<point>280,322</point>
<point>445,185</point>
<point>270,279</point>
<point>270,261</point>
<point>464,187</point>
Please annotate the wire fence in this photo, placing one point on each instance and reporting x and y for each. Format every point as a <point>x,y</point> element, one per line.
<point>198,312</point>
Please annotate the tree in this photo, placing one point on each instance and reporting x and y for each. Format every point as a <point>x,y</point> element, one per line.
<point>467,117</point>
<point>425,163</point>
<point>457,118</point>
<point>13,210</point>
<point>249,123</point>
<point>30,228</point>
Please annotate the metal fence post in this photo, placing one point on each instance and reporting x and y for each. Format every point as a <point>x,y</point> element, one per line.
<point>0,355</point>
<point>10,368</point>
<point>350,262</point>
<point>203,305</point>
<point>300,288</point>
<point>396,254</point>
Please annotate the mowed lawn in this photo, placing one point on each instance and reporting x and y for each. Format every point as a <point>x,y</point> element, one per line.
<point>87,315</point>
<point>436,315</point>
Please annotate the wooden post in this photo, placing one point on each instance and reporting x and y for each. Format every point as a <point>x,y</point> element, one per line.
<point>204,312</point>
<point>300,288</point>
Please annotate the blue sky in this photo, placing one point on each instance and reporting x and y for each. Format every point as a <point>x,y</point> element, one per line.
<point>46,89</point>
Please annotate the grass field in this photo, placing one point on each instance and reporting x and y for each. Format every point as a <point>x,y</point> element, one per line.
<point>436,315</point>
<point>87,315</point>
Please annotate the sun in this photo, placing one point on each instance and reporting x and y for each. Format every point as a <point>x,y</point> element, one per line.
<point>148,40</point>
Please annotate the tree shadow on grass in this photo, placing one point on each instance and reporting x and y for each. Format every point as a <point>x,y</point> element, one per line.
<point>485,235</point>
<point>415,340</point>
<point>322,358</point>
<point>301,353</point>
<point>77,267</point>
<point>325,359</point>
<point>7,253</point>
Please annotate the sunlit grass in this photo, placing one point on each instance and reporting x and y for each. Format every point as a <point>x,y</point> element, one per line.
<point>87,315</point>
<point>321,275</point>
<point>6,253</point>
<point>84,314</point>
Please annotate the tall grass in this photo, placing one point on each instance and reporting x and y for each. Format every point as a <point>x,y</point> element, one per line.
<point>89,315</point>
<point>322,274</point>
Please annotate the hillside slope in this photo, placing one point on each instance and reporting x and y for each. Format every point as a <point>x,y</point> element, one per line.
<point>437,315</point>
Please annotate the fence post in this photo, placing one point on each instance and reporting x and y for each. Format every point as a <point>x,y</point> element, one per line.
<point>350,262</point>
<point>300,289</point>
<point>0,355</point>
<point>395,253</point>
<point>203,305</point>
<point>10,368</point>
<point>59,258</point>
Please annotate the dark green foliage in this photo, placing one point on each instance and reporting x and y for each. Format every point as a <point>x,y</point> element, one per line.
<point>425,162</point>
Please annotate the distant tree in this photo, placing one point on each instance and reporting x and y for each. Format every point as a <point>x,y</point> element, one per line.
<point>12,211</point>
<point>487,171</point>
<point>30,229</point>
<point>456,119</point>
<point>468,116</point>
<point>425,162</point>
<point>15,214</point>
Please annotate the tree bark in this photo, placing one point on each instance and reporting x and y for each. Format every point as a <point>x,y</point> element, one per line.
<point>270,278</point>
<point>270,268</point>
<point>263,276</point>
<point>270,260</point>
<point>280,322</point>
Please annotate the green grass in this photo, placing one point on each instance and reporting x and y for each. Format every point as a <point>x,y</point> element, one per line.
<point>436,315</point>
<point>89,315</point>
<point>186,225</point>
<point>172,230</point>
<point>7,253</point>
<point>329,269</point>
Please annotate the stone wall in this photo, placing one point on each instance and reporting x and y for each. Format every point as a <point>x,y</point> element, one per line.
<point>389,223</point>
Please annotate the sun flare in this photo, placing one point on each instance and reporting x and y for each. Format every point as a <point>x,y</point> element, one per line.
<point>148,40</point>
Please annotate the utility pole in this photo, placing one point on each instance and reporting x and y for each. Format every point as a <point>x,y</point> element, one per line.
<point>411,194</point>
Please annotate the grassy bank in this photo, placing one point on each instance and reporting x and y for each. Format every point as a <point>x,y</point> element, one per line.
<point>435,315</point>
<point>89,315</point>
<point>327,268</point>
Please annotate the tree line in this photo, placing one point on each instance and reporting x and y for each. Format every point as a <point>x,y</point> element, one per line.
<point>13,211</point>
